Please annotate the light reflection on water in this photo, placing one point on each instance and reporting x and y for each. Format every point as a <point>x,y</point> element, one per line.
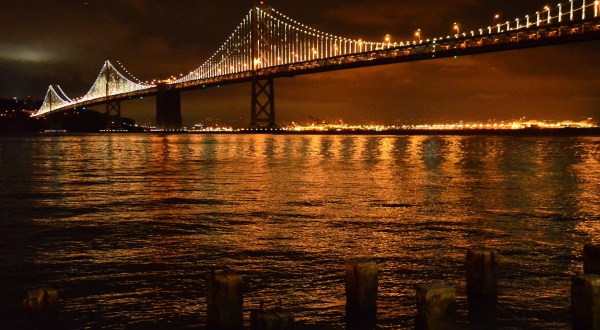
<point>127,226</point>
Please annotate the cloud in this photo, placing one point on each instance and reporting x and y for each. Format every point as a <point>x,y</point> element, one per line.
<point>26,53</point>
<point>66,42</point>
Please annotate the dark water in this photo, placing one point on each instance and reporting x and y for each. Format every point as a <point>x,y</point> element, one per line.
<point>127,226</point>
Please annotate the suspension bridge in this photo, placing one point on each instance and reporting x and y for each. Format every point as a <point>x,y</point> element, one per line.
<point>267,44</point>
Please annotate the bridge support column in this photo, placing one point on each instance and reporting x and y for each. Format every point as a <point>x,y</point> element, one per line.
<point>263,103</point>
<point>54,121</point>
<point>168,108</point>
<point>113,115</point>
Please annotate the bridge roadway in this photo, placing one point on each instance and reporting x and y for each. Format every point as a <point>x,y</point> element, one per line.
<point>534,36</point>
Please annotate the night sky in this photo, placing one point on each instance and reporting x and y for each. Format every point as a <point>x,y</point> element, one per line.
<point>66,43</point>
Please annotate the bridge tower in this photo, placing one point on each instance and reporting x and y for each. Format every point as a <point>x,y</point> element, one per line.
<point>113,109</point>
<point>53,121</point>
<point>263,90</point>
<point>113,115</point>
<point>168,107</point>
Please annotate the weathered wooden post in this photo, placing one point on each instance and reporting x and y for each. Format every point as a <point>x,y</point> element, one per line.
<point>482,288</point>
<point>436,307</point>
<point>361,288</point>
<point>585,302</point>
<point>482,268</point>
<point>224,300</point>
<point>591,259</point>
<point>274,319</point>
<point>41,308</point>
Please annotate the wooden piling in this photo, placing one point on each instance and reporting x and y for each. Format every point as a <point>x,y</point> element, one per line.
<point>224,299</point>
<point>41,309</point>
<point>436,307</point>
<point>585,302</point>
<point>481,269</point>
<point>274,319</point>
<point>591,259</point>
<point>361,288</point>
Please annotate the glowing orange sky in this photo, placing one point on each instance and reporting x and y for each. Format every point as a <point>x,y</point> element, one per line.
<point>66,43</point>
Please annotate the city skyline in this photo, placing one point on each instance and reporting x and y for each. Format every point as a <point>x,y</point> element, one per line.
<point>547,83</point>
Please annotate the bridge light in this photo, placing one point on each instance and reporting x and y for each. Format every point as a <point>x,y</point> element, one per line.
<point>548,9</point>
<point>559,12</point>
<point>571,11</point>
<point>596,5</point>
<point>418,34</point>
<point>456,28</point>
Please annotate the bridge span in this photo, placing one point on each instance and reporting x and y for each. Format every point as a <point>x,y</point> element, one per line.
<point>268,44</point>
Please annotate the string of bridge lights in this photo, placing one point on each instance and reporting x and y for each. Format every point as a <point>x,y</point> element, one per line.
<point>64,95</point>
<point>312,44</point>
<point>52,99</point>
<point>283,41</point>
<point>234,55</point>
<point>120,84</point>
<point>320,34</point>
<point>536,20</point>
<point>241,35</point>
<point>524,22</point>
<point>123,68</point>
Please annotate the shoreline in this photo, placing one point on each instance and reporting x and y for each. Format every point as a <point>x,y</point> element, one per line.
<point>595,131</point>
<point>549,132</point>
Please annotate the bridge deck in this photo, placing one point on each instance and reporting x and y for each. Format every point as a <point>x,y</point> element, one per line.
<point>534,36</point>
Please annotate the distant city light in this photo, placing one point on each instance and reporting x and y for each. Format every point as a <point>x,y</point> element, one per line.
<point>501,125</point>
<point>297,44</point>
